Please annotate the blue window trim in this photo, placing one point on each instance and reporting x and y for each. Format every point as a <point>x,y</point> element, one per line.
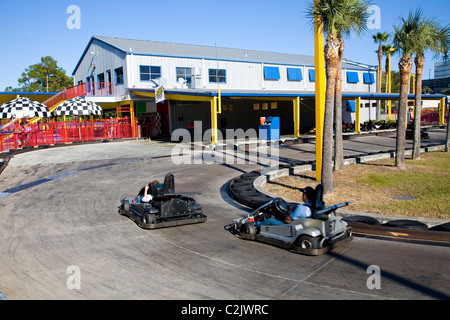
<point>351,105</point>
<point>352,77</point>
<point>369,78</point>
<point>294,74</point>
<point>209,75</point>
<point>100,84</point>
<point>271,73</point>
<point>115,76</point>
<point>153,75</point>
<point>312,75</point>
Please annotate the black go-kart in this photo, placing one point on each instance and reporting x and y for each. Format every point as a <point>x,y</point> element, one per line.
<point>166,209</point>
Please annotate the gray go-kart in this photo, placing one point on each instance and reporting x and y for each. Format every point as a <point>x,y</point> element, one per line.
<point>166,209</point>
<point>312,236</point>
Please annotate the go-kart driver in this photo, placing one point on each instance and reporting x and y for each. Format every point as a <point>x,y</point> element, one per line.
<point>144,196</point>
<point>302,210</point>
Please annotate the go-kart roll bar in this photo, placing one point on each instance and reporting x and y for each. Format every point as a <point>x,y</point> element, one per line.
<point>332,208</point>
<point>260,208</point>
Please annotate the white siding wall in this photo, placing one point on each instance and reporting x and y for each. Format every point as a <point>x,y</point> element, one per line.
<point>106,58</point>
<point>239,75</point>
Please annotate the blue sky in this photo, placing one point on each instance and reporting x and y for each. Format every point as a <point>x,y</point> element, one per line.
<point>31,29</point>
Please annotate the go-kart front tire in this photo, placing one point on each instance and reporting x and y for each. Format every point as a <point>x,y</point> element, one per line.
<point>148,218</point>
<point>308,242</point>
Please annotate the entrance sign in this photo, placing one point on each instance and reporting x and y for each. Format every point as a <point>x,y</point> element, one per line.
<point>159,94</point>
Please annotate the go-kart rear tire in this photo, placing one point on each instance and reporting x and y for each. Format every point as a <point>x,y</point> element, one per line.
<point>308,242</point>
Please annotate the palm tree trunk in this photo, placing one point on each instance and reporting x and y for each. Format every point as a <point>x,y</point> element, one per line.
<point>379,75</point>
<point>331,52</point>
<point>338,143</point>
<point>404,66</point>
<point>386,66</point>
<point>380,65</point>
<point>419,62</point>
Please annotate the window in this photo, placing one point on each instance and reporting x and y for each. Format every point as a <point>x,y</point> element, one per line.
<point>119,75</point>
<point>271,73</point>
<point>294,74</point>
<point>352,77</point>
<point>312,75</point>
<point>184,73</point>
<point>149,72</point>
<point>369,78</point>
<point>217,75</point>
<point>101,80</point>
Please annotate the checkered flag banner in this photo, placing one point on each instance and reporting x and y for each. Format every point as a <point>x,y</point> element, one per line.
<point>23,108</point>
<point>79,107</point>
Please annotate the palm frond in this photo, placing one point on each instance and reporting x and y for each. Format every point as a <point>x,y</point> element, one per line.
<point>339,17</point>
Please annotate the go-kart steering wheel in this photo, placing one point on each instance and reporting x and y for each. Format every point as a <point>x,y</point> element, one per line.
<point>281,206</point>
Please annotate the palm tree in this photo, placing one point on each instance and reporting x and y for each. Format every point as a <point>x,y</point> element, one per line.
<point>429,36</point>
<point>380,38</point>
<point>404,38</point>
<point>339,18</point>
<point>387,50</point>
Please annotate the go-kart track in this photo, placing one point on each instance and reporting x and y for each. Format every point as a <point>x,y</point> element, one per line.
<point>59,219</point>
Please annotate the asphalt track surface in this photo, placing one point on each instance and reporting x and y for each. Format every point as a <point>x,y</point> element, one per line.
<point>58,211</point>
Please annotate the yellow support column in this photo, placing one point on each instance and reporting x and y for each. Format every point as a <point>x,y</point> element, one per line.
<point>413,92</point>
<point>358,115</point>
<point>442,112</point>
<point>389,82</point>
<point>133,129</point>
<point>214,120</point>
<point>297,117</point>
<point>320,93</point>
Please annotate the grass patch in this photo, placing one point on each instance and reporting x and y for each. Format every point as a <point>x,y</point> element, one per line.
<point>380,187</point>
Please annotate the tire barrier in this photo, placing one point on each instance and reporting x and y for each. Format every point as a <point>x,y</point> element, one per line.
<point>243,191</point>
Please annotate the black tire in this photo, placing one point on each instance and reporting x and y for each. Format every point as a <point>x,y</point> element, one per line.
<point>362,219</point>
<point>442,227</point>
<point>406,224</point>
<point>148,218</point>
<point>126,205</point>
<point>308,242</point>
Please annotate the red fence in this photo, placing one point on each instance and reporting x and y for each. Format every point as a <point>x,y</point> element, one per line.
<point>431,116</point>
<point>69,131</point>
<point>85,89</point>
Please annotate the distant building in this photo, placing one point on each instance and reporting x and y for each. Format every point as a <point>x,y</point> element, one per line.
<point>442,70</point>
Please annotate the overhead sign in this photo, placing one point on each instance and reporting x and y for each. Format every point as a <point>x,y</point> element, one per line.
<point>159,94</point>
